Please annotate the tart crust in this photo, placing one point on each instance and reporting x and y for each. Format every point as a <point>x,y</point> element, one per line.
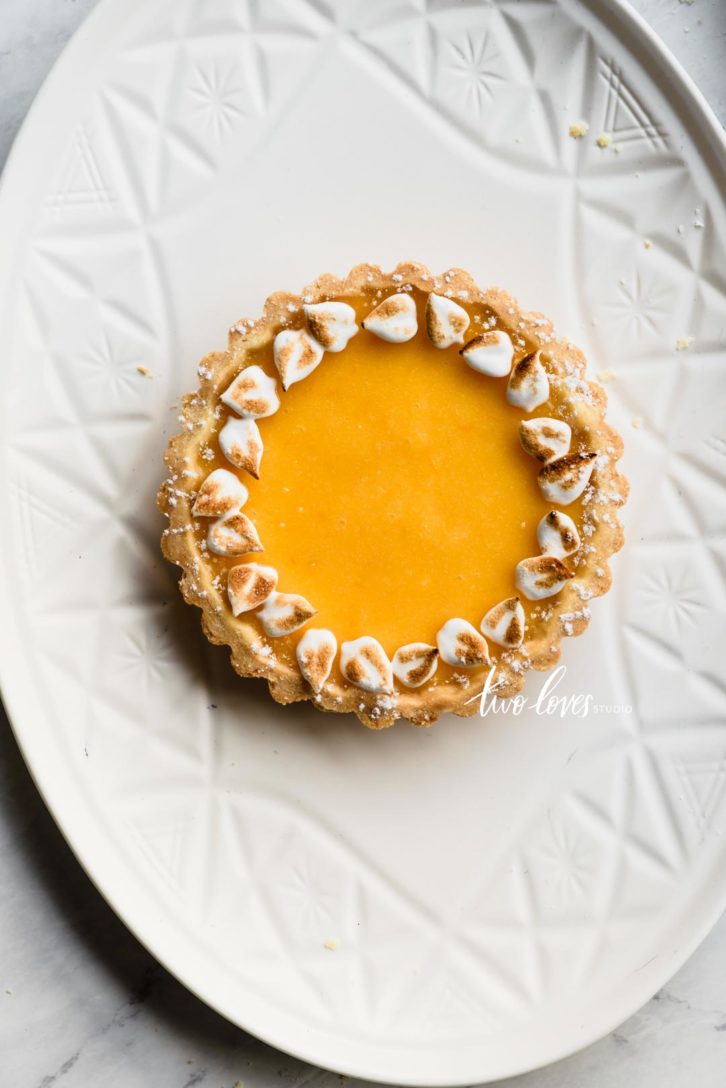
<point>581,403</point>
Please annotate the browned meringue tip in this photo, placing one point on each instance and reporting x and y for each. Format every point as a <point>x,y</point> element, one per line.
<point>489,353</point>
<point>446,321</point>
<point>504,623</point>
<point>394,319</point>
<point>557,534</point>
<point>461,645</point>
<point>331,323</point>
<point>296,354</point>
<point>528,386</point>
<point>544,438</point>
<point>234,534</point>
<point>241,443</point>
<point>283,613</point>
<point>252,394</point>
<point>562,481</point>
<point>220,493</point>
<point>415,663</point>
<point>364,662</point>
<point>541,576</point>
<point>315,653</point>
<point>249,585</point>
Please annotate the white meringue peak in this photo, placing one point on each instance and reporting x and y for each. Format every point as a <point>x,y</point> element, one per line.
<point>283,613</point>
<point>461,645</point>
<point>504,623</point>
<point>241,443</point>
<point>394,319</point>
<point>542,576</point>
<point>415,663</point>
<point>332,324</point>
<point>220,493</point>
<point>489,353</point>
<point>249,585</point>
<point>296,355</point>
<point>528,385</point>
<point>557,534</point>
<point>545,439</point>
<point>315,653</point>
<point>446,321</point>
<point>364,662</point>
<point>233,534</point>
<point>564,480</point>
<point>252,394</point>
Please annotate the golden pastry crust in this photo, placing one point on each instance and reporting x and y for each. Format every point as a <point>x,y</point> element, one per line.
<point>579,402</point>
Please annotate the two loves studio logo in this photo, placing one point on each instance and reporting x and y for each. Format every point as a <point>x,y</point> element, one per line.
<point>549,702</point>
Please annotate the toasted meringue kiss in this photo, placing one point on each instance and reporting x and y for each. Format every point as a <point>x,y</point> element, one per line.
<point>233,534</point>
<point>415,663</point>
<point>249,585</point>
<point>283,613</point>
<point>446,321</point>
<point>315,654</point>
<point>394,319</point>
<point>364,662</point>
<point>252,394</point>
<point>241,443</point>
<point>557,534</point>
<point>490,353</point>
<point>332,324</point>
<point>220,493</point>
<point>461,645</point>
<point>296,355</point>
<point>542,576</point>
<point>528,385</point>
<point>504,623</point>
<point>544,438</point>
<point>564,480</point>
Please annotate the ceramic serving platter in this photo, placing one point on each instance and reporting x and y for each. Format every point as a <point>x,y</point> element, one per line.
<point>421,907</point>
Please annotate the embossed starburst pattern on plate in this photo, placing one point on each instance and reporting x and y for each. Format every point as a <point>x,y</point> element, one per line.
<point>476,65</point>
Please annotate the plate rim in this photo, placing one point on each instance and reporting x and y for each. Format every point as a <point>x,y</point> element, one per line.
<point>689,99</point>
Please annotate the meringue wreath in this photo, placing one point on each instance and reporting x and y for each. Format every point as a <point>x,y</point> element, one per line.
<point>389,486</point>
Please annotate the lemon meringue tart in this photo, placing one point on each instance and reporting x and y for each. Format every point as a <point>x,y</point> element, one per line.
<point>388,488</point>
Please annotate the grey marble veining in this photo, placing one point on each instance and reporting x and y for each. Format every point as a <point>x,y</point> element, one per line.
<point>82,1003</point>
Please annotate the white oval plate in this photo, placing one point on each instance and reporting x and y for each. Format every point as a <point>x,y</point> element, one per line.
<point>501,891</point>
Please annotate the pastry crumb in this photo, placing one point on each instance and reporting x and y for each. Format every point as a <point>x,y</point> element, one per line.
<point>578,129</point>
<point>636,422</point>
<point>331,944</point>
<point>606,376</point>
<point>144,371</point>
<point>683,343</point>
<point>604,139</point>
<point>647,244</point>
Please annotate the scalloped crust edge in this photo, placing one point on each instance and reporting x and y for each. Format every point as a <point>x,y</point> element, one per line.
<point>585,412</point>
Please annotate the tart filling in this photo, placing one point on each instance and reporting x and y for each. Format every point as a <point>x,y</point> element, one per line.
<point>403,533</point>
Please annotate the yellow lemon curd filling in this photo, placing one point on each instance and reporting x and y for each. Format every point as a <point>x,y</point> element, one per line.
<point>393,493</point>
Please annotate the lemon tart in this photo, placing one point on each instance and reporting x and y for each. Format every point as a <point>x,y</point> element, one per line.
<point>389,486</point>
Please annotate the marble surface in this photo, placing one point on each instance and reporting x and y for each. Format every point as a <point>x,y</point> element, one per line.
<point>81,1001</point>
